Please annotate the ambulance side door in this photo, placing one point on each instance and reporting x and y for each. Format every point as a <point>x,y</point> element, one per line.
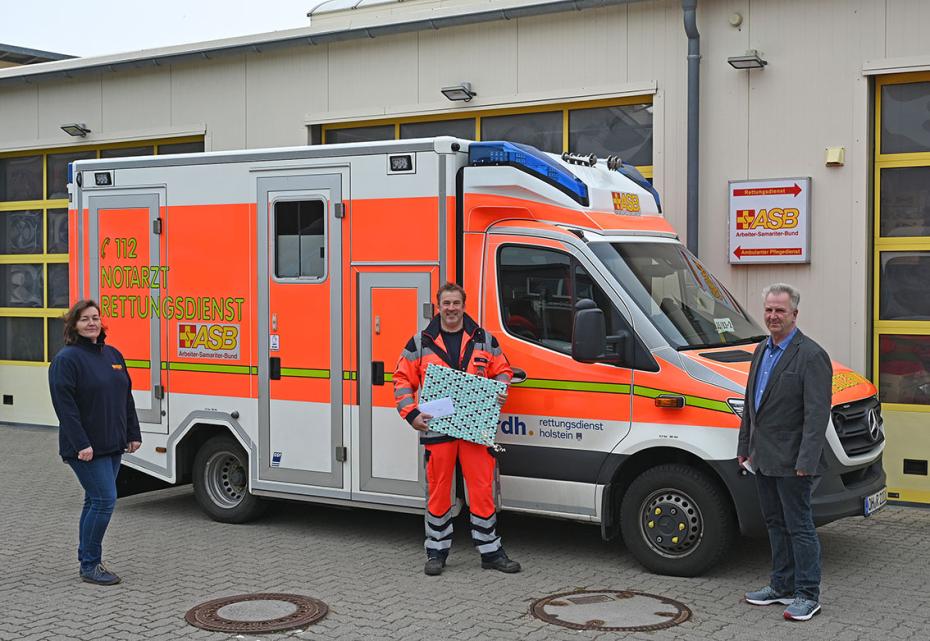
<point>300,342</point>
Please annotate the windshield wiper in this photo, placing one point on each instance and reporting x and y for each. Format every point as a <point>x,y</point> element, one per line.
<point>741,341</point>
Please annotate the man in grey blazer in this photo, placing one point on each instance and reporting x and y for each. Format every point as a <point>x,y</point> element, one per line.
<point>781,437</point>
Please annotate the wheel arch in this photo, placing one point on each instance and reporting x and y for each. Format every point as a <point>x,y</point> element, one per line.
<point>200,427</point>
<point>635,464</point>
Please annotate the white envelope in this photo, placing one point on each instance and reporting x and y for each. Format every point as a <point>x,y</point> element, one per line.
<point>438,408</point>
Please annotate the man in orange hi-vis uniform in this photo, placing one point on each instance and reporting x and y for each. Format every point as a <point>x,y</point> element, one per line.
<point>453,339</point>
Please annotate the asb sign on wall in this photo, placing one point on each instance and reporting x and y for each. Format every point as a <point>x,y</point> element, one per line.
<point>770,221</point>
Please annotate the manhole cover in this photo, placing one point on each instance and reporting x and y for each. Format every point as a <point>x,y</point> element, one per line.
<point>611,610</point>
<point>257,613</point>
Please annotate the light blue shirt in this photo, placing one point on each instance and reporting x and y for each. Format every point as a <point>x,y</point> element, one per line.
<point>770,357</point>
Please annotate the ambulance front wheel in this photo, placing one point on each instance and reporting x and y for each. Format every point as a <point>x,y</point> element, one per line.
<point>221,482</point>
<point>676,520</point>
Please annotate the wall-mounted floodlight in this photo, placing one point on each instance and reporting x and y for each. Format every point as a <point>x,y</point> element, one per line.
<point>459,93</point>
<point>752,60</point>
<point>75,129</point>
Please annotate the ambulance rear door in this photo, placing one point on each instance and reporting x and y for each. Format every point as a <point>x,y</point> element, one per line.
<point>125,255</point>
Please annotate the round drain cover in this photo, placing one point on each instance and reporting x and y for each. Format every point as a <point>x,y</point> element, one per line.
<point>257,613</point>
<point>610,610</point>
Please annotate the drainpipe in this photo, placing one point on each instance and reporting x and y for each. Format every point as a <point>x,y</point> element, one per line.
<point>689,8</point>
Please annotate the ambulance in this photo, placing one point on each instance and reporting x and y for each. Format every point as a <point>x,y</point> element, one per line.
<point>262,297</point>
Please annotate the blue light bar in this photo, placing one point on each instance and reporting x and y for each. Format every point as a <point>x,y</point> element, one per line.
<point>532,161</point>
<point>70,173</point>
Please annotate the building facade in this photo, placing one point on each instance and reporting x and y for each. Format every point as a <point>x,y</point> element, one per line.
<point>593,76</point>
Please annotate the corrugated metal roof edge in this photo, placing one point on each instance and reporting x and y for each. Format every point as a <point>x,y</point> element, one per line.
<point>277,40</point>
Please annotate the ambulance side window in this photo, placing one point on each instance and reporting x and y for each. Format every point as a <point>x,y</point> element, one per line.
<point>300,239</point>
<point>539,289</point>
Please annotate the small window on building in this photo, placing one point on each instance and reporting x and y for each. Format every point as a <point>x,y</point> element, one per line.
<point>461,128</point>
<point>541,130</point>
<point>181,148</point>
<point>128,152</point>
<point>21,339</point>
<point>57,284</point>
<point>359,134</point>
<point>21,178</point>
<point>624,131</point>
<point>300,239</point>
<point>903,286</point>
<point>55,338</point>
<point>905,118</point>
<point>20,232</point>
<point>57,225</point>
<point>904,369</point>
<point>21,285</point>
<point>905,201</point>
<point>58,171</point>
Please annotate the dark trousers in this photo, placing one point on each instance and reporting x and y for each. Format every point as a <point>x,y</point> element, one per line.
<point>98,478</point>
<point>786,506</point>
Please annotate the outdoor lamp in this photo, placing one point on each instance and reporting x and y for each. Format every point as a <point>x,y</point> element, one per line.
<point>460,92</point>
<point>75,129</point>
<point>752,60</point>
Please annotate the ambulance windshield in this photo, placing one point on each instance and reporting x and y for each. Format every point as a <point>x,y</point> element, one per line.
<point>687,304</point>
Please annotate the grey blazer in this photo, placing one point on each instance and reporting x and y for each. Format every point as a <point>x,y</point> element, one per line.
<point>788,431</point>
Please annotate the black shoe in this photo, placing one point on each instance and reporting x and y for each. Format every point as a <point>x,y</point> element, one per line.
<point>434,566</point>
<point>501,562</point>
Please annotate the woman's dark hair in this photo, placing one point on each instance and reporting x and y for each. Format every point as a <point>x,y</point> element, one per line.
<point>71,318</point>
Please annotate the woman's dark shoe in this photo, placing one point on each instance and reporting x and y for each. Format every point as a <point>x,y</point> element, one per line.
<point>100,576</point>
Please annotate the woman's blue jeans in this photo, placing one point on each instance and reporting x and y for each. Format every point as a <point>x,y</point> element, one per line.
<point>98,478</point>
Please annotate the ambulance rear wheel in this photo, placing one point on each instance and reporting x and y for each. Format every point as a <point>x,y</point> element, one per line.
<point>221,482</point>
<point>676,520</point>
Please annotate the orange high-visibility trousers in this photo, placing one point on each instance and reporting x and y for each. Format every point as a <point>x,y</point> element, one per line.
<point>478,468</point>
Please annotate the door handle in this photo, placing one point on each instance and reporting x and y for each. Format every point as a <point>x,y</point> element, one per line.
<point>377,372</point>
<point>519,376</point>
<point>274,368</point>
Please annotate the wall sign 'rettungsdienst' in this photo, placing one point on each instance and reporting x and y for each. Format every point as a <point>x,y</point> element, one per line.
<point>769,221</point>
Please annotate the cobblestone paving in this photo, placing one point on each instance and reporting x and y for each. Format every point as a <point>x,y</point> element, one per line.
<point>368,567</point>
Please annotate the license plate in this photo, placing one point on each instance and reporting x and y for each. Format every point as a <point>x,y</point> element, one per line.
<point>876,501</point>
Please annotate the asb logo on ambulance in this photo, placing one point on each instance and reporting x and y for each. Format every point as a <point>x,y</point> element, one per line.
<point>208,340</point>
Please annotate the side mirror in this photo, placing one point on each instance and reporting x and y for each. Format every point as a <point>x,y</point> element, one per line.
<point>589,332</point>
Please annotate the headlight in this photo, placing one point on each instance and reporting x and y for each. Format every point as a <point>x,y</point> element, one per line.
<point>736,404</point>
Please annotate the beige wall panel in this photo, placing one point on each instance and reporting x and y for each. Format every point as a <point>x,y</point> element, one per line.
<point>135,100</point>
<point>724,137</point>
<point>573,50</point>
<point>797,106</point>
<point>32,403</point>
<point>484,55</point>
<point>282,86</point>
<point>663,55</point>
<point>68,100</point>
<point>20,113</point>
<point>212,92</point>
<point>907,24</point>
<point>376,71</point>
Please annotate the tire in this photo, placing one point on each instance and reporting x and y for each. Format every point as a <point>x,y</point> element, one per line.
<point>676,520</point>
<point>221,482</point>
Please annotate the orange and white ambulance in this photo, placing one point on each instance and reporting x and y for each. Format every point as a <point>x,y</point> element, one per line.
<point>262,297</point>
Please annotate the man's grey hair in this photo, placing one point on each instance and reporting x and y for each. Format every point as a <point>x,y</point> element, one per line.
<point>783,288</point>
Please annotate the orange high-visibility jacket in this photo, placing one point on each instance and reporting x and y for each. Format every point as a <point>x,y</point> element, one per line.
<point>480,355</point>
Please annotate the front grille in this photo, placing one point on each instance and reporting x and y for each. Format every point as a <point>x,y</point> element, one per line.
<point>859,426</point>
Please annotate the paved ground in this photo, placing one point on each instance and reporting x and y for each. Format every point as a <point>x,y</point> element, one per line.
<point>368,567</point>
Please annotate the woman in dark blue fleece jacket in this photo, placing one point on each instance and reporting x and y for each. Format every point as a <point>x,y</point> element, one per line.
<point>92,395</point>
